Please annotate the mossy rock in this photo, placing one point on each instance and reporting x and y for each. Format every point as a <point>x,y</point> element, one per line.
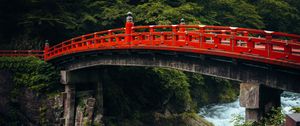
<point>183,119</point>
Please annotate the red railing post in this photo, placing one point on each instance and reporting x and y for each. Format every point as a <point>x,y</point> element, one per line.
<point>128,27</point>
<point>182,29</point>
<point>74,45</point>
<point>269,45</point>
<point>202,37</point>
<point>232,39</point>
<point>118,40</point>
<point>110,38</point>
<point>162,38</point>
<point>174,34</point>
<point>110,33</point>
<point>245,33</point>
<point>46,50</point>
<point>288,48</point>
<point>151,36</point>
<point>187,38</point>
<point>223,32</point>
<point>94,39</point>
<point>141,38</point>
<point>82,39</point>
<point>250,45</point>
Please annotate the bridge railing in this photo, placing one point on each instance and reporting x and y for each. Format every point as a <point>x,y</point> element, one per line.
<point>216,40</point>
<point>82,42</point>
<point>15,53</point>
<point>231,39</point>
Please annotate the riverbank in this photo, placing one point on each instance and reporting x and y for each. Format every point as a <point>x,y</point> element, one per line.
<point>222,114</point>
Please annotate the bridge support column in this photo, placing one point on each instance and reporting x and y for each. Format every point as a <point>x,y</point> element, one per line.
<point>69,105</point>
<point>258,100</point>
<point>99,104</point>
<point>69,99</point>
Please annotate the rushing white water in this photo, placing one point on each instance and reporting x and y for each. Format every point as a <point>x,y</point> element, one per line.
<point>221,114</point>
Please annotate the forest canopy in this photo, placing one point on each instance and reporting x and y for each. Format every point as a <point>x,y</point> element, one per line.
<point>27,24</point>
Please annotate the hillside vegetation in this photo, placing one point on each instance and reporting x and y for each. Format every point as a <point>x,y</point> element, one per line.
<point>27,24</point>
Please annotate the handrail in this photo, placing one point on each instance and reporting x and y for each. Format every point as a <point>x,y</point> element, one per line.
<point>15,53</point>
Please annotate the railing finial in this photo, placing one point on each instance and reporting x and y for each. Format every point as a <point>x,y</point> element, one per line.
<point>46,44</point>
<point>128,27</point>
<point>129,17</point>
<point>182,21</point>
<point>46,49</point>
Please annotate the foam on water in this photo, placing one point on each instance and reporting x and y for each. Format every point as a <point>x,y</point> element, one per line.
<point>288,100</point>
<point>221,114</point>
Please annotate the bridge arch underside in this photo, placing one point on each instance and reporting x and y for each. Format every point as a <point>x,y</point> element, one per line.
<point>234,69</point>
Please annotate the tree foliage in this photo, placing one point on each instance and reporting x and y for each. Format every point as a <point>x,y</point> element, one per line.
<point>32,82</point>
<point>27,24</point>
<point>32,73</point>
<point>137,93</point>
<point>279,15</point>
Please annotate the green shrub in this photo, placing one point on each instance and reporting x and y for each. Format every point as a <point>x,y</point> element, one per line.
<point>238,120</point>
<point>32,73</point>
<point>296,109</point>
<point>274,117</point>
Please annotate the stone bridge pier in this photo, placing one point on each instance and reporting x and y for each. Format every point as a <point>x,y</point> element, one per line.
<point>258,100</point>
<point>72,116</point>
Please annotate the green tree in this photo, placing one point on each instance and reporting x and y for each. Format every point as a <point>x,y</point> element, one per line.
<point>279,15</point>
<point>233,13</point>
<point>27,24</point>
<point>160,12</point>
<point>176,87</point>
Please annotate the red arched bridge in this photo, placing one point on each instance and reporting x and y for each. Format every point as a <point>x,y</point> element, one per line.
<point>255,57</point>
<point>271,58</point>
<point>269,47</point>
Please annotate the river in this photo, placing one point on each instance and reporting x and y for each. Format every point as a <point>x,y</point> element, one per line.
<point>221,114</point>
